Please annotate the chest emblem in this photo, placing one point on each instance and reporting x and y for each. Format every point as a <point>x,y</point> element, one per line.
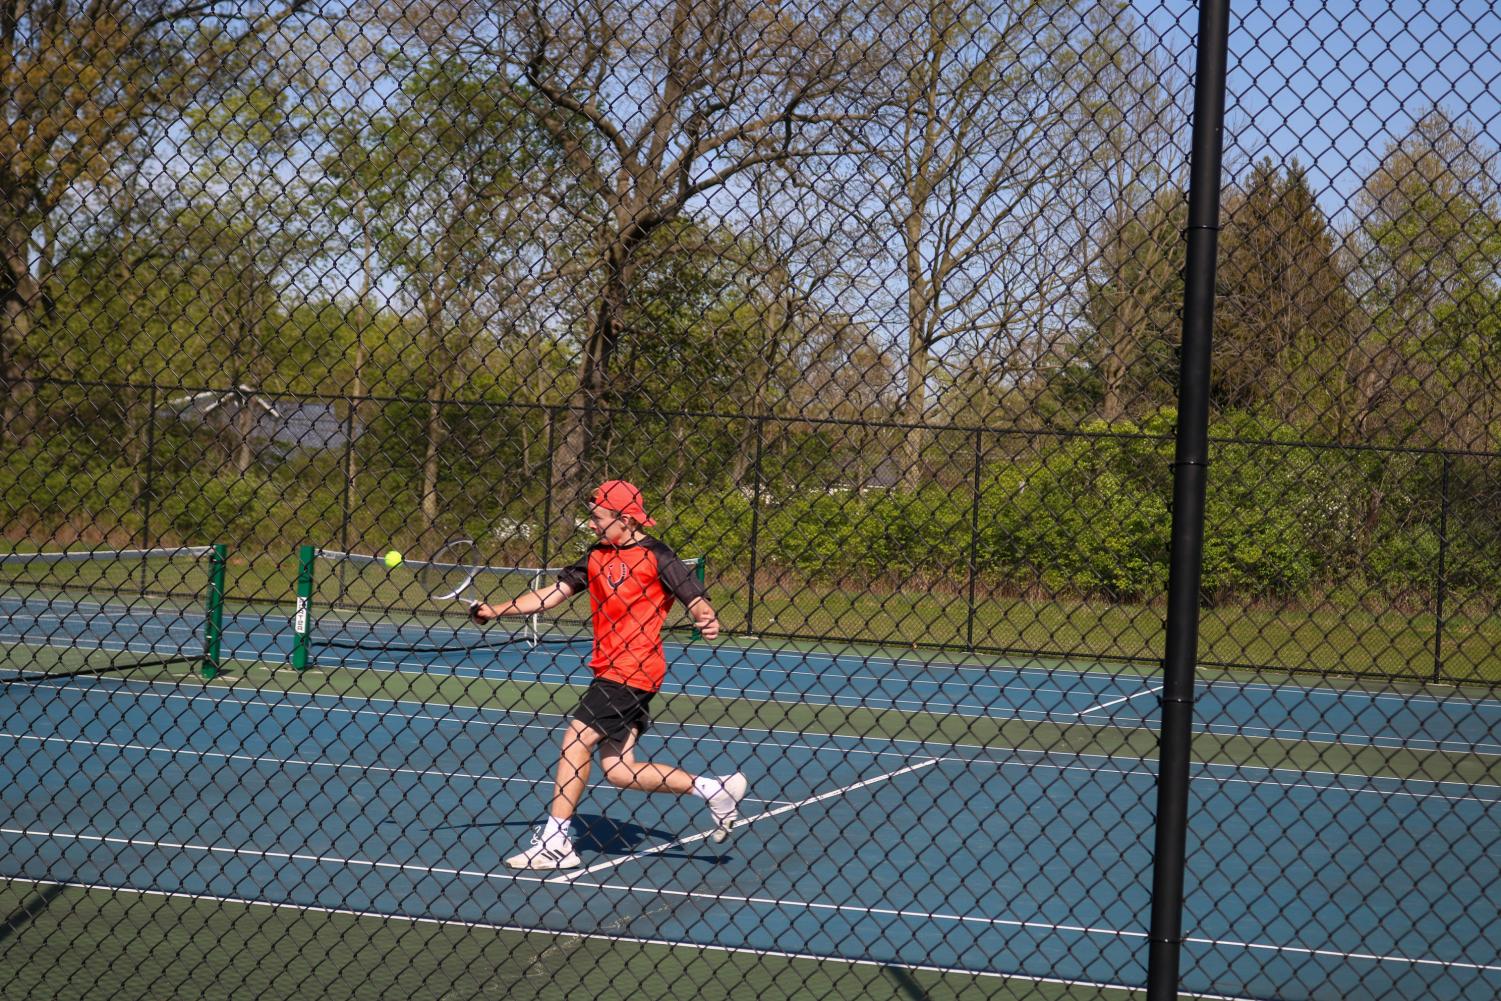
<point>616,573</point>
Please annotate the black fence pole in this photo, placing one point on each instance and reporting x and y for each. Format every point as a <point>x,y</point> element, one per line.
<point>1189,469</point>
<point>148,485</point>
<point>552,422</point>
<point>974,547</point>
<point>755,526</point>
<point>347,501</point>
<point>1443,552</point>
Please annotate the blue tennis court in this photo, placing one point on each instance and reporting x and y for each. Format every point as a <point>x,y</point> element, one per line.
<point>950,854</point>
<point>1454,722</point>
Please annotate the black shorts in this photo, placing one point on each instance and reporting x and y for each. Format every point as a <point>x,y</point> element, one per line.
<point>613,710</point>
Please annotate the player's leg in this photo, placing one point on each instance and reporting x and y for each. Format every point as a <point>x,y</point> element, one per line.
<point>579,742</point>
<point>552,846</point>
<point>617,756</point>
<point>722,792</point>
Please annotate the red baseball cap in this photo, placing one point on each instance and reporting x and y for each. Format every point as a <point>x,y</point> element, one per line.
<point>618,495</point>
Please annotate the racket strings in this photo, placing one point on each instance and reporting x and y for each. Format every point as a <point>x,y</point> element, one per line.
<point>451,571</point>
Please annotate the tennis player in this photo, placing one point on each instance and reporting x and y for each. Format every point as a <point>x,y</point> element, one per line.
<point>632,580</point>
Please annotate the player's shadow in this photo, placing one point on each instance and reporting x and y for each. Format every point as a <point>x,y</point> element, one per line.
<point>906,983</point>
<point>621,837</point>
<point>613,837</point>
<point>590,833</point>
<point>593,833</point>
<point>31,909</point>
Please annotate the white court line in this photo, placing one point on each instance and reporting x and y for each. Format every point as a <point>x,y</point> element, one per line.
<point>607,937</point>
<point>897,703</point>
<point>1025,715</point>
<point>1332,737</point>
<point>506,876</point>
<point>773,669</point>
<point>1116,702</point>
<point>809,655</point>
<point>1050,926</point>
<point>805,656</point>
<point>915,705</point>
<point>258,759</point>
<point>369,658</point>
<point>176,694</point>
<point>746,822</point>
<point>261,759</point>
<point>265,854</point>
<point>1028,765</point>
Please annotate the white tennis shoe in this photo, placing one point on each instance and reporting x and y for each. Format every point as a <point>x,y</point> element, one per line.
<point>724,806</point>
<point>554,853</point>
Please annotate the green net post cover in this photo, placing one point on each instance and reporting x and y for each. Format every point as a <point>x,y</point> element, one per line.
<point>214,635</point>
<point>302,619</point>
<point>698,571</point>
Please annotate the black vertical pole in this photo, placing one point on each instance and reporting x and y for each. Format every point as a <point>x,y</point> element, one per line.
<point>552,420</point>
<point>148,488</point>
<point>1189,470</point>
<point>347,503</point>
<point>1443,552</point>
<point>974,547</point>
<point>750,601</point>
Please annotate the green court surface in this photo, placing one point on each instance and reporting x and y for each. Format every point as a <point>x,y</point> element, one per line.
<point>69,941</point>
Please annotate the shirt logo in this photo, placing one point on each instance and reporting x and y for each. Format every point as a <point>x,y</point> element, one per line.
<point>610,571</point>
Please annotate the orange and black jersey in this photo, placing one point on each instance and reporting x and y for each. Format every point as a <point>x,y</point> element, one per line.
<point>631,590</point>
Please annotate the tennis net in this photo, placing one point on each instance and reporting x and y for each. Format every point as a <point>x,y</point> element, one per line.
<point>354,601</point>
<point>84,612</point>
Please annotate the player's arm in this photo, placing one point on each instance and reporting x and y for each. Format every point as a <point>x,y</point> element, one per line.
<point>529,603</point>
<point>682,584</point>
<point>705,620</point>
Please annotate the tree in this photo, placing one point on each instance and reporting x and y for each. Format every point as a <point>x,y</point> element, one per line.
<point>81,82</point>
<point>1284,319</point>
<point>656,106</point>
<point>1133,308</point>
<point>444,190</point>
<point>1134,185</point>
<point>1000,109</point>
<point>1427,237</point>
<point>1463,356</point>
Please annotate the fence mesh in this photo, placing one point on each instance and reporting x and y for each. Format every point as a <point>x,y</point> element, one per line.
<point>879,304</point>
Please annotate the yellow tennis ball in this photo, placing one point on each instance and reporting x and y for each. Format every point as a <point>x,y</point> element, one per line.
<point>393,559</point>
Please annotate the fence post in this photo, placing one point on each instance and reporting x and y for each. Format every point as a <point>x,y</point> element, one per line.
<point>347,503</point>
<point>552,422</point>
<point>1443,549</point>
<point>1165,937</point>
<point>148,487</point>
<point>755,526</point>
<point>214,636</point>
<point>974,547</point>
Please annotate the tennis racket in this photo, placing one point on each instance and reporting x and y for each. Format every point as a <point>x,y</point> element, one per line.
<point>449,575</point>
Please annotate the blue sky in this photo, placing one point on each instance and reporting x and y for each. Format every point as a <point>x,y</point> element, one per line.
<point>1332,83</point>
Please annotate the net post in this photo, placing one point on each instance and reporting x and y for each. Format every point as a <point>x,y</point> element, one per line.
<point>1438,588</point>
<point>698,571</point>
<point>302,621</point>
<point>214,638</point>
<point>534,621</point>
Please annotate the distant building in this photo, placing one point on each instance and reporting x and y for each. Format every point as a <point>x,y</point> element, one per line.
<point>277,426</point>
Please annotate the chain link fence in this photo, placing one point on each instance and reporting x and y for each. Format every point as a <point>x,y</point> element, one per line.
<point>880,305</point>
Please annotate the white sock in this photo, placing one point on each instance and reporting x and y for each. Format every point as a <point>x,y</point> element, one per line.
<point>707,786</point>
<point>556,829</point>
